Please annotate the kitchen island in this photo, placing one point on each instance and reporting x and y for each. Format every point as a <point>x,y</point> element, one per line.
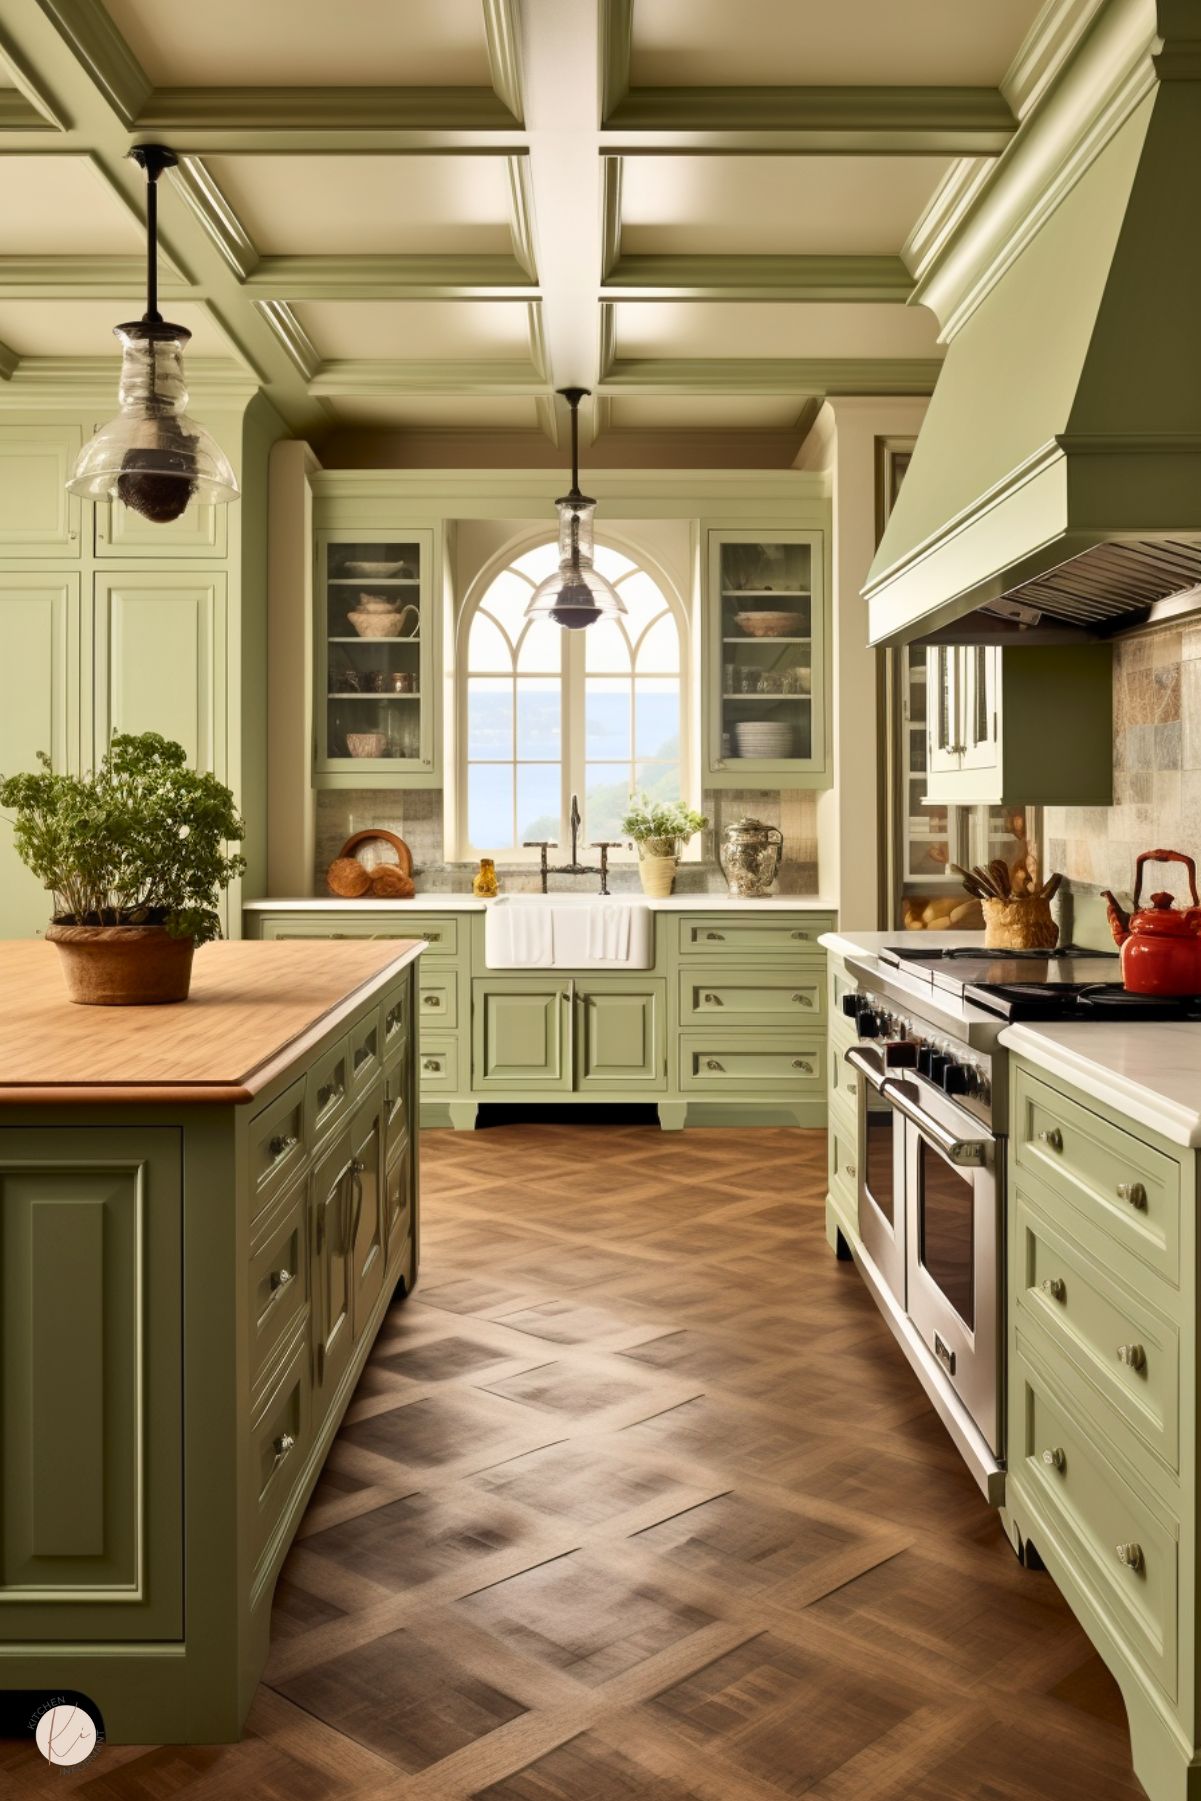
<point>205,1211</point>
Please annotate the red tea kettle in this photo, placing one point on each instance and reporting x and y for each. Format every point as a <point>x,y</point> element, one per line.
<point>1160,945</point>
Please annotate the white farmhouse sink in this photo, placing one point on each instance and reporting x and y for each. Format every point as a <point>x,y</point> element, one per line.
<point>557,932</point>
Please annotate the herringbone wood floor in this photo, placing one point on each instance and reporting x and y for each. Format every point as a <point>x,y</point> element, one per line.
<point>636,1499</point>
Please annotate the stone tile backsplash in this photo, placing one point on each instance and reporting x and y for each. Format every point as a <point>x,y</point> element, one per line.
<point>416,816</point>
<point>1156,768</point>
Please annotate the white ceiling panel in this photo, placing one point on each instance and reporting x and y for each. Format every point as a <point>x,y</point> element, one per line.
<point>85,327</point>
<point>868,43</point>
<point>718,412</point>
<point>412,329</point>
<point>510,413</point>
<point>774,205</point>
<point>62,206</point>
<point>772,329</point>
<point>305,43</point>
<point>367,205</point>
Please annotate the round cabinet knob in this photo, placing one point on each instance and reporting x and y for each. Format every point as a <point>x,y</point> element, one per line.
<point>1052,1138</point>
<point>1054,1286</point>
<point>1133,1356</point>
<point>1130,1556</point>
<point>1135,1193</point>
<point>280,1278</point>
<point>1054,1457</point>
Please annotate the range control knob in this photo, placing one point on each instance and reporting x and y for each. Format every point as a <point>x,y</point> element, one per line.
<point>871,1024</point>
<point>853,1005</point>
<point>939,1060</point>
<point>901,1054</point>
<point>959,1078</point>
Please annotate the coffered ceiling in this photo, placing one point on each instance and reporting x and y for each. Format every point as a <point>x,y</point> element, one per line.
<point>428,216</point>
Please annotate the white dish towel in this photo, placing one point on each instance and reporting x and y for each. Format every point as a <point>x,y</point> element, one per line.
<point>525,933</point>
<point>609,933</point>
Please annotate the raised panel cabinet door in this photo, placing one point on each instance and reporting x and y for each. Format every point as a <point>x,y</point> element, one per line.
<point>366,1210</point>
<point>38,518</point>
<point>944,737</point>
<point>332,1265</point>
<point>200,531</point>
<point>91,1507</point>
<point>39,710</point>
<point>621,1034</point>
<point>521,1033</point>
<point>160,660</point>
<point>979,672</point>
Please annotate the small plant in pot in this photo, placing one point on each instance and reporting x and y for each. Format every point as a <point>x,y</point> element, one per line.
<point>135,855</point>
<point>659,828</point>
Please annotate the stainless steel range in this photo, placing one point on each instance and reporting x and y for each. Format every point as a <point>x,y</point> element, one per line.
<point>931,1167</point>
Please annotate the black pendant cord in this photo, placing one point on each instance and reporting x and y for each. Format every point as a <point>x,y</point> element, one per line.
<point>153,158</point>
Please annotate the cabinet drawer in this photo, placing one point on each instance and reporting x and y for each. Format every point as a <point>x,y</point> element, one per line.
<point>1127,1351</point>
<point>1125,1189</point>
<point>398,1200</point>
<point>279,1444</point>
<point>438,1000</point>
<point>396,1100</point>
<point>278,1278</point>
<point>753,996</point>
<point>769,1063</point>
<point>440,934</point>
<point>736,934</point>
<point>328,1094</point>
<point>438,1066</point>
<point>842,1084</point>
<point>394,1024</point>
<point>277,1145</point>
<point>1125,1553</point>
<point>366,1050</point>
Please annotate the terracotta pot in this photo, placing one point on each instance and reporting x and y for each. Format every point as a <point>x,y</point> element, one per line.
<point>657,875</point>
<point>123,966</point>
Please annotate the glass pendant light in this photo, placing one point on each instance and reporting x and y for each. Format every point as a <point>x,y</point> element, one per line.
<point>152,456</point>
<point>575,595</point>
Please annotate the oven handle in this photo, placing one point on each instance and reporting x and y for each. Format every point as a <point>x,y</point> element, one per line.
<point>869,1064</point>
<point>964,1152</point>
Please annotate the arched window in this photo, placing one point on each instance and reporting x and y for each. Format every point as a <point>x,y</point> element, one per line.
<point>547,713</point>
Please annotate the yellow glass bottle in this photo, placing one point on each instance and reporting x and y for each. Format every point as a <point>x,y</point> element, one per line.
<point>485,885</point>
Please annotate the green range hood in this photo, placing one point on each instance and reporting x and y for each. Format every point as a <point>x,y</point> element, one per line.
<point>1056,480</point>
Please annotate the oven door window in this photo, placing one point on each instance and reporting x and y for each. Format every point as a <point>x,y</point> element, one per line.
<point>946,1230</point>
<point>880,1164</point>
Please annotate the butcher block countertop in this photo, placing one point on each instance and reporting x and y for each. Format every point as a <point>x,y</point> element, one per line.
<point>253,1010</point>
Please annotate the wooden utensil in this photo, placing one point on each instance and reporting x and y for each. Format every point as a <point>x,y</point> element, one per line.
<point>352,880</point>
<point>999,870</point>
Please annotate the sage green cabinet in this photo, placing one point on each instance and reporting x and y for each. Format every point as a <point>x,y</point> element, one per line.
<point>1019,725</point>
<point>333,1270</point>
<point>200,531</point>
<point>620,1034</point>
<point>366,1231</point>
<point>160,660</point>
<point>375,658</point>
<point>38,518</point>
<point>39,710</point>
<point>91,1503</point>
<point>765,656</point>
<point>521,1032</point>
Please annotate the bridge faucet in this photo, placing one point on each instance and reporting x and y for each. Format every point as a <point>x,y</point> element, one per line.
<point>575,867</point>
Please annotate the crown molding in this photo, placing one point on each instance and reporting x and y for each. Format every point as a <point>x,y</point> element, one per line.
<point>615,25</point>
<point>772,375</point>
<point>611,168</point>
<point>383,378</point>
<point>191,179</point>
<point>521,215</point>
<point>87,380</point>
<point>10,362</point>
<point>106,59</point>
<point>811,120</point>
<point>26,106</point>
<point>82,278</point>
<point>386,277</point>
<point>504,55</point>
<point>649,276</point>
<point>1048,46</point>
<point>292,336</point>
<point>255,113</point>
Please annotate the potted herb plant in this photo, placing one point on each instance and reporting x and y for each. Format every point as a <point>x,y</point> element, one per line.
<point>659,828</point>
<point>135,856</point>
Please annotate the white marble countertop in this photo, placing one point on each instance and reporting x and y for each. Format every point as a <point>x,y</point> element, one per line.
<point>438,900</point>
<point>1150,1070</point>
<point>854,943</point>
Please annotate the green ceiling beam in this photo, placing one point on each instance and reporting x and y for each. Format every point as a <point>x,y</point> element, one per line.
<point>842,278</point>
<point>502,40</point>
<point>364,378</point>
<point>262,112</point>
<point>118,278</point>
<point>820,121</point>
<point>353,277</point>
<point>771,375</point>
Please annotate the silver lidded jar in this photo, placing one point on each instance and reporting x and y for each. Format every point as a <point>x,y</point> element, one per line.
<point>750,857</point>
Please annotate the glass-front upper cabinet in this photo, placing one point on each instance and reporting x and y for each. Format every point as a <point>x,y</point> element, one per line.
<point>766,679</point>
<point>373,659</point>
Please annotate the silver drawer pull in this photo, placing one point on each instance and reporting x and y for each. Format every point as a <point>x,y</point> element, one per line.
<point>430,1000</point>
<point>280,1278</point>
<point>803,1000</point>
<point>281,1144</point>
<point>804,1064</point>
<point>1131,1556</point>
<point>431,1065</point>
<point>329,1091</point>
<point>1134,1192</point>
<point>1133,1356</point>
<point>1054,1458</point>
<point>1052,1138</point>
<point>283,1444</point>
<point>1054,1286</point>
<point>712,1063</point>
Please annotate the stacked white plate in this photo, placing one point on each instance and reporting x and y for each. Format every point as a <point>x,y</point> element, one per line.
<point>763,738</point>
